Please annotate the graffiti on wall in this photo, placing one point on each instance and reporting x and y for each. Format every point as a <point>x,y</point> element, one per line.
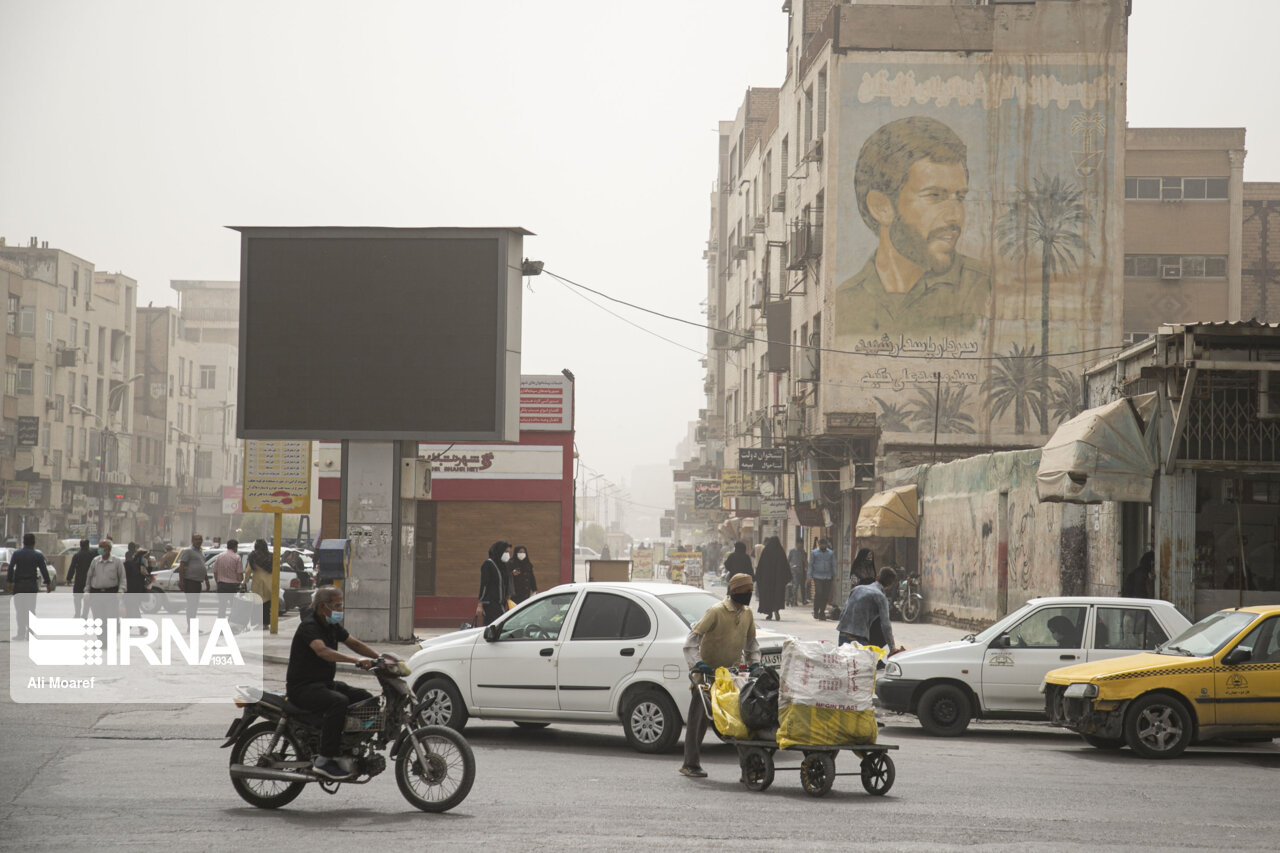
<point>971,240</point>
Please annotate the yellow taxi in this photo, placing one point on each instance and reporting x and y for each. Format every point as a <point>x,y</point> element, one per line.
<point>1219,679</point>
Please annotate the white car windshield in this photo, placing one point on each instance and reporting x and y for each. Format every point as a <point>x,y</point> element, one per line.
<point>690,606</point>
<point>1208,635</point>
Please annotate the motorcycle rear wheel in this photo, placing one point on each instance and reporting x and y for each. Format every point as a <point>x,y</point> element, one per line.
<point>444,778</point>
<point>252,749</point>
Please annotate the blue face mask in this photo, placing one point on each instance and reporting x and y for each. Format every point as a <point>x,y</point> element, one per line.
<point>335,618</point>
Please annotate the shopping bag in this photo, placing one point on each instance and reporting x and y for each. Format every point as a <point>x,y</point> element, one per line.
<point>724,705</point>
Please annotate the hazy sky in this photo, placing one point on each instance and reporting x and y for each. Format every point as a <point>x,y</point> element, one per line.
<point>132,132</point>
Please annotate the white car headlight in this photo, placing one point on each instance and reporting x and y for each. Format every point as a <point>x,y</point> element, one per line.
<point>893,670</point>
<point>1080,690</point>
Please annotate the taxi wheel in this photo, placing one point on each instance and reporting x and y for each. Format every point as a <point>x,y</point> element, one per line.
<point>1157,726</point>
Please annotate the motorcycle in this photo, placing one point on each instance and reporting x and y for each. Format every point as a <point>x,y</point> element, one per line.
<point>906,603</point>
<point>271,759</point>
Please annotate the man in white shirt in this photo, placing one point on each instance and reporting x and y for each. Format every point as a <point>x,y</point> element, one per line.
<point>228,574</point>
<point>106,578</point>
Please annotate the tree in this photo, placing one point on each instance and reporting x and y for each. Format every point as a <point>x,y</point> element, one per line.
<point>947,407</point>
<point>1012,383</point>
<point>1066,396</point>
<point>1046,218</point>
<point>893,416</point>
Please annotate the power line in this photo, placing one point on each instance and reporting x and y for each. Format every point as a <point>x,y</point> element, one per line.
<point>832,350</point>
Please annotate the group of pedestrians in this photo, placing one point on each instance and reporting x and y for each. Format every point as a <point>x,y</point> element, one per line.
<point>506,579</point>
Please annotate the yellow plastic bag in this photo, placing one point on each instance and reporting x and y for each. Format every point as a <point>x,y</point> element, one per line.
<point>724,706</point>
<point>809,725</point>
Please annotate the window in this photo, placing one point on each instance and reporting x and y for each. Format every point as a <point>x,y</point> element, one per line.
<point>605,616</point>
<point>48,381</point>
<point>204,464</point>
<point>1049,628</point>
<point>208,374</point>
<point>1175,189</point>
<point>75,331</point>
<point>70,443</point>
<point>48,326</point>
<point>10,377</point>
<point>45,431</point>
<point>27,320</point>
<point>12,314</point>
<point>541,620</point>
<point>1263,643</point>
<point>86,338</point>
<point>57,465</point>
<point>1128,628</point>
<point>1175,266</point>
<point>84,443</point>
<point>102,348</point>
<point>84,391</point>
<point>59,404</point>
<point>62,300</point>
<point>822,102</point>
<point>25,379</point>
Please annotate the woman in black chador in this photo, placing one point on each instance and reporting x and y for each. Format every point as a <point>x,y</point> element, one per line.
<point>739,562</point>
<point>493,596</point>
<point>772,574</point>
<point>523,583</point>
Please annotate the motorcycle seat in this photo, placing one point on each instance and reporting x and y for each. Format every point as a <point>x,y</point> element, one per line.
<point>283,705</point>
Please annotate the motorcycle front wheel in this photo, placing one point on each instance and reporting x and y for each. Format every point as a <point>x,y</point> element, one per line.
<point>911,608</point>
<point>439,778</point>
<point>254,749</point>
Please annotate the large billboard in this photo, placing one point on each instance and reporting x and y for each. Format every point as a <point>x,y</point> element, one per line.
<point>977,227</point>
<point>380,333</point>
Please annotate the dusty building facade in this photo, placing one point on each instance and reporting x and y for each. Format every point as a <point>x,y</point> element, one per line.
<point>1260,253</point>
<point>925,205</point>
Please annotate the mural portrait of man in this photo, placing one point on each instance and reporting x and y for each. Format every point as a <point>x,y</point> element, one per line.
<point>910,183</point>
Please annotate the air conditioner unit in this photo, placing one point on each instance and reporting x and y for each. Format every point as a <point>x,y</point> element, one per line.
<point>758,225</point>
<point>49,405</point>
<point>67,357</point>
<point>815,151</point>
<point>739,253</point>
<point>1171,271</point>
<point>794,425</point>
<point>780,202</point>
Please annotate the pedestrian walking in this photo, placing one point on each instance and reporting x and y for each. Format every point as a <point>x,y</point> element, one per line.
<point>863,568</point>
<point>260,577</point>
<point>493,596</point>
<point>190,567</point>
<point>739,562</point>
<point>106,577</point>
<point>822,570</point>
<point>228,576</point>
<point>724,636</point>
<point>1140,582</point>
<point>25,564</point>
<point>523,582</point>
<point>137,578</point>
<point>772,574</point>
<point>798,592</point>
<point>169,557</point>
<point>865,617</point>
<point>77,575</point>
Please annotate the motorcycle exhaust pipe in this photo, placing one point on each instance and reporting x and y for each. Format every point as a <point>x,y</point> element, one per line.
<point>244,771</point>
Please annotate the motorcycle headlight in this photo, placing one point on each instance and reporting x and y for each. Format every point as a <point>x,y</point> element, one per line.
<point>893,670</point>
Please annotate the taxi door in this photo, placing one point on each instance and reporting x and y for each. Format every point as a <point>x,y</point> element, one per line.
<point>1248,693</point>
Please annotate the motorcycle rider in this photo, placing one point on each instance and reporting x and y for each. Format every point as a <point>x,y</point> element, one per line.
<point>310,684</point>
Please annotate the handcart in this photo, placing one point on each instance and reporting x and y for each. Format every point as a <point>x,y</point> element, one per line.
<point>818,766</point>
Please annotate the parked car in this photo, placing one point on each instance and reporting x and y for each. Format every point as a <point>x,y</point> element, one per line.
<point>1219,679</point>
<point>579,653</point>
<point>996,673</point>
<point>167,589</point>
<point>581,554</point>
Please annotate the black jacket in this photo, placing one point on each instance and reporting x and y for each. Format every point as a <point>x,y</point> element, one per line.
<point>523,582</point>
<point>492,591</point>
<point>78,572</point>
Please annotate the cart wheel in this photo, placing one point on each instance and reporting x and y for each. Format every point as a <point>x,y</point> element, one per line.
<point>757,768</point>
<point>817,773</point>
<point>877,773</point>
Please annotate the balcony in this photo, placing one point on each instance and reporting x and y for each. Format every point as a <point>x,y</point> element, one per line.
<point>806,241</point>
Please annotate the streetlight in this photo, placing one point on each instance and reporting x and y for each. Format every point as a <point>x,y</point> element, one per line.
<point>105,426</point>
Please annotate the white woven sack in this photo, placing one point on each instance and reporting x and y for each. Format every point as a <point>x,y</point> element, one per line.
<point>821,674</point>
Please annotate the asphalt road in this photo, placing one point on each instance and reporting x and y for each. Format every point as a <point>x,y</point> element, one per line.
<point>136,777</point>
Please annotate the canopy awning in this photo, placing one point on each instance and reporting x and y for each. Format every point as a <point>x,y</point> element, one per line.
<point>1099,455</point>
<point>893,512</point>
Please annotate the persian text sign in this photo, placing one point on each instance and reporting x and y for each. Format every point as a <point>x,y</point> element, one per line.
<point>277,476</point>
<point>762,460</point>
<point>546,403</point>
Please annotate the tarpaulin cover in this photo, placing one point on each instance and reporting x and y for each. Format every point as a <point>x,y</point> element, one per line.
<point>826,694</point>
<point>893,512</point>
<point>1099,455</point>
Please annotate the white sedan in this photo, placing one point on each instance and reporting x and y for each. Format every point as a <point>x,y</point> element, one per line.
<point>578,653</point>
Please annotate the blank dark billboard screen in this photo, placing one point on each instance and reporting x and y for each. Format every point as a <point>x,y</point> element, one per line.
<point>378,333</point>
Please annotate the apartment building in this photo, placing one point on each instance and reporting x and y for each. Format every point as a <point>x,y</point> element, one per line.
<point>902,230</point>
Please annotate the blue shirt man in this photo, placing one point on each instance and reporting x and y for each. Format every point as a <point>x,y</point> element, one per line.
<point>822,563</point>
<point>865,617</point>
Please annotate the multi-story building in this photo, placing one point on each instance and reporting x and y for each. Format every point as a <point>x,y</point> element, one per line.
<point>210,312</point>
<point>904,229</point>
<point>1260,253</point>
<point>71,369</point>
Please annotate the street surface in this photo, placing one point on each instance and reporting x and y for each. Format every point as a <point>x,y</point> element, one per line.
<point>80,777</point>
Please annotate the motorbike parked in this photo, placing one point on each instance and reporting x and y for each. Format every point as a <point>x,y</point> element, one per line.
<point>905,601</point>
<point>271,759</point>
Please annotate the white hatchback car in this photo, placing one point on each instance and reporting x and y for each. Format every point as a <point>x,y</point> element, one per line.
<point>578,653</point>
<point>996,674</point>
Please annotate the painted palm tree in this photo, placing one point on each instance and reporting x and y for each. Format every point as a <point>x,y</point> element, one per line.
<point>947,407</point>
<point>893,417</point>
<point>1066,397</point>
<point>1047,218</point>
<point>1012,384</point>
